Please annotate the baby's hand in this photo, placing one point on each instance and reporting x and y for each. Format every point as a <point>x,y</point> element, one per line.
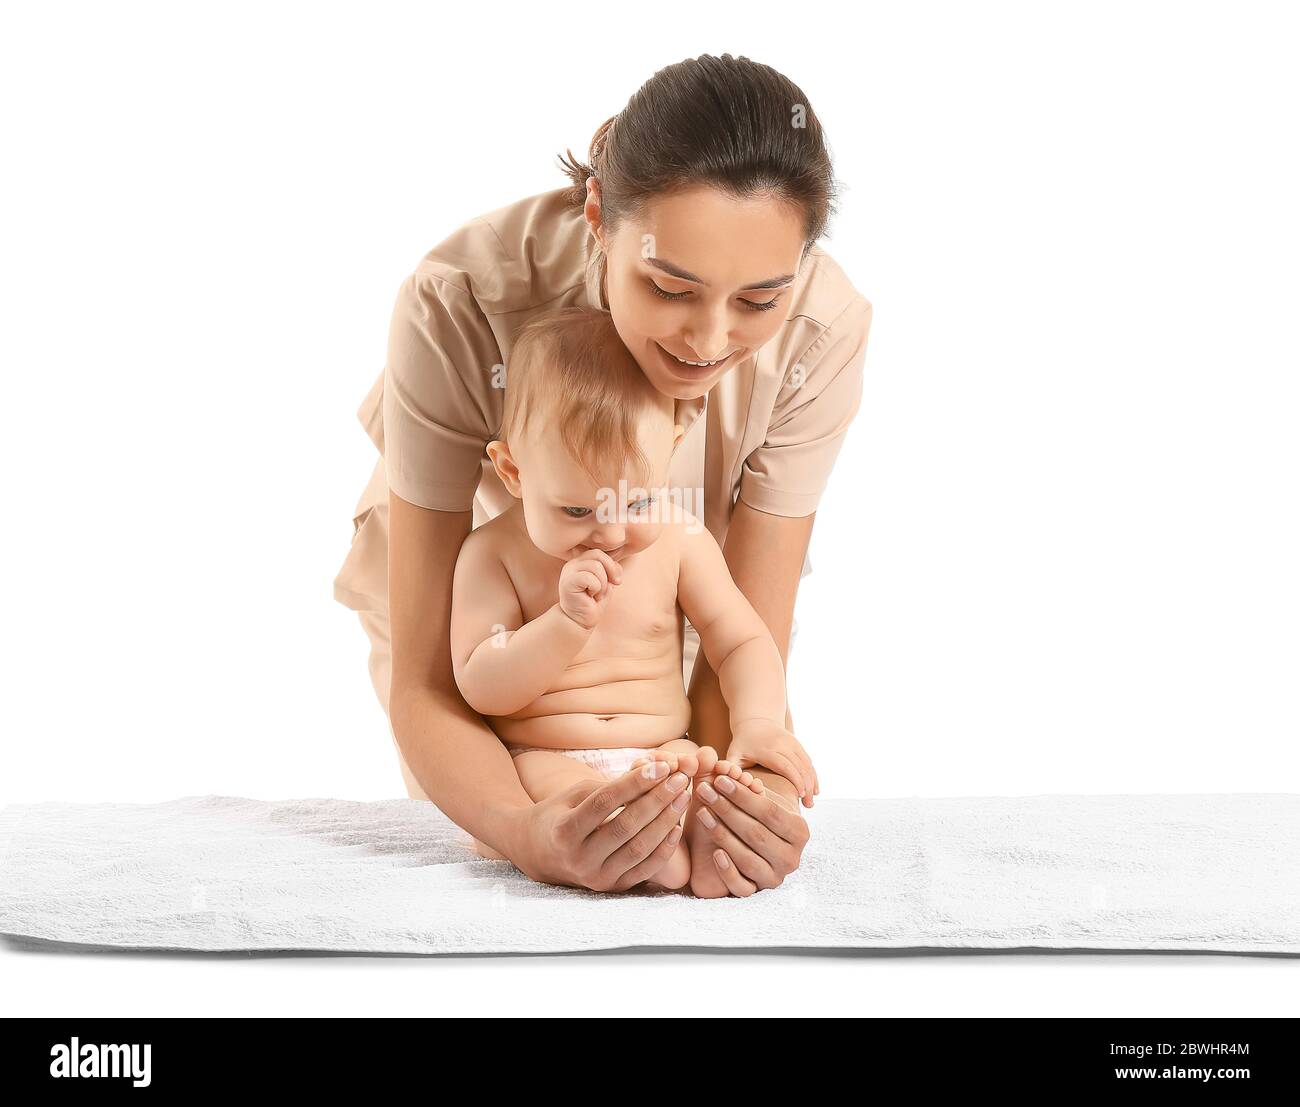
<point>585,586</point>
<point>761,742</point>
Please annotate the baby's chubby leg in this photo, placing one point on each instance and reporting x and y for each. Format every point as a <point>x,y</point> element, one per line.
<point>542,773</point>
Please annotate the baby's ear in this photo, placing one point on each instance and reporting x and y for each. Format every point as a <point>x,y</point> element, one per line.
<point>499,454</point>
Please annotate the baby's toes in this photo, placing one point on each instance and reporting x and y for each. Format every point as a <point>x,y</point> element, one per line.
<point>750,781</point>
<point>689,763</point>
<point>708,757</point>
<point>657,755</point>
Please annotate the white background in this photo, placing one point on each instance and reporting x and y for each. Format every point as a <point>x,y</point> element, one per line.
<point>1058,553</point>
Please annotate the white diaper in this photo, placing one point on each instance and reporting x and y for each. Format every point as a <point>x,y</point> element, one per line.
<point>612,762</point>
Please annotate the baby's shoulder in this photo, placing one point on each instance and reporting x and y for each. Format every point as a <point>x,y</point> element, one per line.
<point>680,526</point>
<point>484,544</point>
<point>672,512</point>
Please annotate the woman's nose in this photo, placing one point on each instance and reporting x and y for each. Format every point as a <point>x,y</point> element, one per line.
<point>707,338</point>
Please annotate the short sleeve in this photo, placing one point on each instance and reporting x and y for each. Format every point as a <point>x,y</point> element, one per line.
<point>437,411</point>
<point>787,474</point>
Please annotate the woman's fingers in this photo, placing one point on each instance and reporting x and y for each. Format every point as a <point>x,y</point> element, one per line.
<point>741,855</point>
<point>639,832</point>
<point>592,806</point>
<point>659,855</point>
<point>736,884</point>
<point>628,845</point>
<point>760,823</point>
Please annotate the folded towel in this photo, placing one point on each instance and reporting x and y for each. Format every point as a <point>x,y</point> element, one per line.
<point>1148,872</point>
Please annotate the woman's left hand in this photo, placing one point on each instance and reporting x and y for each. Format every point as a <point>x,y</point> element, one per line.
<point>755,842</point>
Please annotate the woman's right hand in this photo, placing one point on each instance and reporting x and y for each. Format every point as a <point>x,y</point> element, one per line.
<point>568,841</point>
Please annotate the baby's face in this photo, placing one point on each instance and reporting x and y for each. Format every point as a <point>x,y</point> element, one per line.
<point>568,514</point>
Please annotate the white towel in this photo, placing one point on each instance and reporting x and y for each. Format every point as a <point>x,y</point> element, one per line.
<point>1148,872</point>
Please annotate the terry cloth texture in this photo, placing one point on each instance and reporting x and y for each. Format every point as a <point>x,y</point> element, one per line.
<point>1131,872</point>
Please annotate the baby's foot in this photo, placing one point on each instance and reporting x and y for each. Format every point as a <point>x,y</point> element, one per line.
<point>675,872</point>
<point>706,881</point>
<point>685,755</point>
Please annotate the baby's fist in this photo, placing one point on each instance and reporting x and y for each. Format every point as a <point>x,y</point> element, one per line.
<point>585,585</point>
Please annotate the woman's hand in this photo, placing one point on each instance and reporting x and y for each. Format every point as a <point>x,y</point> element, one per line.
<point>567,841</point>
<point>755,842</point>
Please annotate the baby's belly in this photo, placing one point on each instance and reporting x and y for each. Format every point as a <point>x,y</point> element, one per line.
<point>604,703</point>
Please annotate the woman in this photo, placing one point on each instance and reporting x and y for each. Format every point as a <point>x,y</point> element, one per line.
<point>695,225</point>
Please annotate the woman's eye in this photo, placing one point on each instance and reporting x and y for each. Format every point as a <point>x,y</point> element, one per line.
<point>751,305</point>
<point>576,512</point>
<point>664,293</point>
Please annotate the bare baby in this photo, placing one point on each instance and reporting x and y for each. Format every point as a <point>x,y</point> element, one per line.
<point>566,624</point>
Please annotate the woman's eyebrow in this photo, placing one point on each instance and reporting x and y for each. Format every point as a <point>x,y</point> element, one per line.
<point>683,275</point>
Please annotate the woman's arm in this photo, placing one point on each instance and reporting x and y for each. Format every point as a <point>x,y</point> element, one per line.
<point>765,554</point>
<point>463,766</point>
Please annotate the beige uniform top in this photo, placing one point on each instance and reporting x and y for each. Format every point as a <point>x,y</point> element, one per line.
<point>768,432</point>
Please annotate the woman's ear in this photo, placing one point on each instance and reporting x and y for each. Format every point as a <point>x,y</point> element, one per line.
<point>678,432</point>
<point>504,463</point>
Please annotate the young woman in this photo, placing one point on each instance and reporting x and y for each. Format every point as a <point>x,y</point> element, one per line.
<point>695,225</point>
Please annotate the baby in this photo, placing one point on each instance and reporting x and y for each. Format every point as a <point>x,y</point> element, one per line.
<point>566,622</point>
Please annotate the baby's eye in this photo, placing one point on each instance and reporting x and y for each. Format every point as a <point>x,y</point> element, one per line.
<point>576,512</point>
<point>641,505</point>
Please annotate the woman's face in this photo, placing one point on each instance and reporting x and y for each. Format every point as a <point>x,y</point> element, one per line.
<point>699,276</point>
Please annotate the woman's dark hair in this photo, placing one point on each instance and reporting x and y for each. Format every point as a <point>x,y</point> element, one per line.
<point>729,122</point>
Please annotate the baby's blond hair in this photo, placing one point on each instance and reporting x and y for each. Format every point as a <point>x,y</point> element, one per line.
<point>570,369</point>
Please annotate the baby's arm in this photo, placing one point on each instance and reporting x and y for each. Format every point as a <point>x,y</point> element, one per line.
<point>741,650</point>
<point>733,636</point>
<point>500,665</point>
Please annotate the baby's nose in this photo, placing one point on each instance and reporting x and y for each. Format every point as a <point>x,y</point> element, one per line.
<point>610,538</point>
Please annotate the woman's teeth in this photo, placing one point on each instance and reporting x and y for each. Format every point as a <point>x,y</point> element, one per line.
<point>698,364</point>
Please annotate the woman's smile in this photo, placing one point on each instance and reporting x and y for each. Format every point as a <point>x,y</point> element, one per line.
<point>690,370</point>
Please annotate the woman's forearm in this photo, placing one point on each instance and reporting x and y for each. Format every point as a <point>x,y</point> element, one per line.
<point>710,719</point>
<point>462,766</point>
<point>508,671</point>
